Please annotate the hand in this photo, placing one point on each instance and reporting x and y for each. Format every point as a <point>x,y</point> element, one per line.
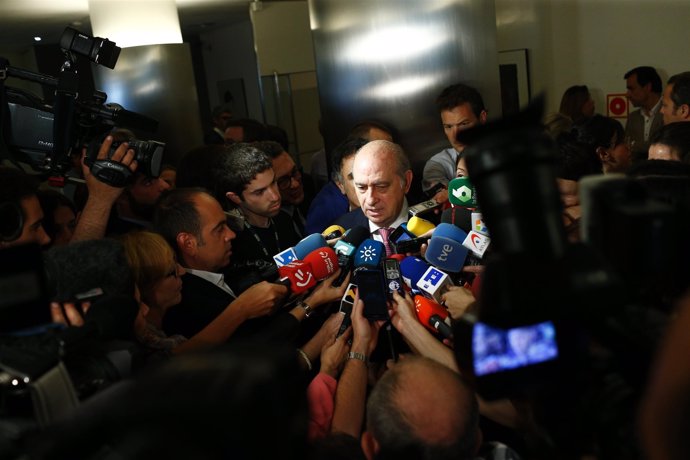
<point>262,299</point>
<point>334,353</point>
<point>68,313</point>
<point>441,196</point>
<point>325,292</point>
<point>123,154</point>
<point>365,332</point>
<point>457,299</point>
<point>403,312</point>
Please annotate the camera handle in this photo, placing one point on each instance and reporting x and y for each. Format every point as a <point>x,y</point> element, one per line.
<point>64,113</point>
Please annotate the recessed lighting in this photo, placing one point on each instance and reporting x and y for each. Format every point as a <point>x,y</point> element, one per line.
<point>37,39</point>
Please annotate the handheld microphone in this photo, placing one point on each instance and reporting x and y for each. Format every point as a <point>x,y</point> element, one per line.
<point>460,217</point>
<point>478,224</point>
<point>434,283</point>
<point>300,276</point>
<point>433,316</point>
<point>446,250</point>
<point>418,226</point>
<point>301,249</point>
<point>369,254</point>
<point>323,262</point>
<point>477,243</point>
<point>332,232</point>
<point>412,268</point>
<point>461,193</point>
<point>345,249</point>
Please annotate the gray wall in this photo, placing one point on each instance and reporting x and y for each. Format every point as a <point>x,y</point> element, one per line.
<point>389,59</point>
<point>158,81</point>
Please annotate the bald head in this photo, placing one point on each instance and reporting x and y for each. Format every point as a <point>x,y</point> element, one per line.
<point>419,407</point>
<point>382,176</point>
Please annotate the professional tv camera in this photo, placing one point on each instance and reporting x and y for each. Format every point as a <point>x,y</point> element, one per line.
<point>44,136</point>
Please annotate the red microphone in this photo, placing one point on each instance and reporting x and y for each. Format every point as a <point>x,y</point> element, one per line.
<point>433,316</point>
<point>300,276</point>
<point>323,261</point>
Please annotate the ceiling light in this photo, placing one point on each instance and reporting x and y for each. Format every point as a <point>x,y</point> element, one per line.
<point>37,39</point>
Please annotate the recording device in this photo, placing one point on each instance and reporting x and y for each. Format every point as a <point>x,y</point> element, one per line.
<point>418,226</point>
<point>423,207</point>
<point>44,136</point>
<point>345,249</point>
<point>411,246</point>
<point>462,193</point>
<point>300,250</point>
<point>347,303</point>
<point>446,250</point>
<point>369,254</point>
<point>323,262</point>
<point>332,232</point>
<point>148,154</point>
<point>412,268</point>
<point>434,190</point>
<point>434,283</point>
<point>477,243</point>
<point>394,282</point>
<point>373,292</point>
<point>433,317</point>
<point>300,276</point>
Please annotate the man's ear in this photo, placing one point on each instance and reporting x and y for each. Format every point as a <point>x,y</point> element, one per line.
<point>340,187</point>
<point>684,110</point>
<point>186,242</point>
<point>482,117</point>
<point>232,196</point>
<point>369,445</point>
<point>408,180</point>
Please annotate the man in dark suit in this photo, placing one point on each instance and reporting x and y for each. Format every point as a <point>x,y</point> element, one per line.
<point>644,91</point>
<point>382,176</point>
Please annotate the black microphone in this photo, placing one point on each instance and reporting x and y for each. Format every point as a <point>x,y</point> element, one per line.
<point>437,323</point>
<point>345,249</point>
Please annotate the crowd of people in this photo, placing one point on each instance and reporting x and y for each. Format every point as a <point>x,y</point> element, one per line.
<point>183,339</point>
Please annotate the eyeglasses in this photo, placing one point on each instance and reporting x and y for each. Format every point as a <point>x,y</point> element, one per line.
<point>284,182</point>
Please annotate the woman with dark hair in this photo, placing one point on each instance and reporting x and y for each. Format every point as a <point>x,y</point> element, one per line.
<point>605,137</point>
<point>60,216</point>
<point>577,103</point>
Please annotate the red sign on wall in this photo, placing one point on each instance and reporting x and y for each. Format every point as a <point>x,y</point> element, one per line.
<point>617,106</point>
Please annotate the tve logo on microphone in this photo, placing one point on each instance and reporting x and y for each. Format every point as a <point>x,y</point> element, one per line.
<point>477,243</point>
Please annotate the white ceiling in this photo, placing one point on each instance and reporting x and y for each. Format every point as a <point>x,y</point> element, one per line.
<point>21,20</point>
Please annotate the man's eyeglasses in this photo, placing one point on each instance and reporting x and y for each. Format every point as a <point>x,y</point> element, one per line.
<point>285,181</point>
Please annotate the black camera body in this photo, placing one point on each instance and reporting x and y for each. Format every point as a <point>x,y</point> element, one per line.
<point>44,136</point>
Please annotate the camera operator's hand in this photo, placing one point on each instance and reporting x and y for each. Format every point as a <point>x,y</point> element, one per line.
<point>68,314</point>
<point>260,299</point>
<point>458,300</point>
<point>93,220</point>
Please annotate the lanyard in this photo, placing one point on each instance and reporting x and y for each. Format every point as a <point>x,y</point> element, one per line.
<point>258,240</point>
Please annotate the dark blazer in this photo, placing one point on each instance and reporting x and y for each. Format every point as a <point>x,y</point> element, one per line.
<point>634,129</point>
<point>353,219</point>
<point>202,302</point>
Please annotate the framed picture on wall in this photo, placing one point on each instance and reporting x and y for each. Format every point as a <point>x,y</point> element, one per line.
<point>514,75</point>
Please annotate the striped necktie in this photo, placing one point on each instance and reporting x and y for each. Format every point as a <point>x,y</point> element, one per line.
<point>385,233</point>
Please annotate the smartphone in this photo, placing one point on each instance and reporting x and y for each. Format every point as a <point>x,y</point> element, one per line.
<point>346,305</point>
<point>400,234</point>
<point>394,282</point>
<point>412,245</point>
<point>373,292</point>
<point>434,190</point>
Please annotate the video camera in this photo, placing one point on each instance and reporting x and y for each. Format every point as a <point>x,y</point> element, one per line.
<point>44,136</point>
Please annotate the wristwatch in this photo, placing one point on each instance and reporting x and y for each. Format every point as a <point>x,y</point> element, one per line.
<point>307,309</point>
<point>359,356</point>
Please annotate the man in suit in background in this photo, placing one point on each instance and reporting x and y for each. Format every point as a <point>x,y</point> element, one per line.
<point>644,91</point>
<point>675,104</point>
<point>382,176</point>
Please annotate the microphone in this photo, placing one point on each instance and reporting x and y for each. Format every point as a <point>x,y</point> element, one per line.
<point>300,250</point>
<point>461,193</point>
<point>412,268</point>
<point>369,254</point>
<point>300,276</point>
<point>418,226</point>
<point>478,224</point>
<point>345,249</point>
<point>332,232</point>
<point>433,316</point>
<point>446,250</point>
<point>460,217</point>
<point>477,243</point>
<point>323,262</point>
<point>434,283</point>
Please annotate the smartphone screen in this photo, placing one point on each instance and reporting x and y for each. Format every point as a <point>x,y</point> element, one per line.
<point>496,350</point>
<point>372,291</point>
